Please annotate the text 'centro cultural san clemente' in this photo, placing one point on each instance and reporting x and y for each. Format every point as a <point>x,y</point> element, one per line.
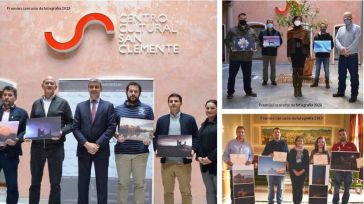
<point>133,28</point>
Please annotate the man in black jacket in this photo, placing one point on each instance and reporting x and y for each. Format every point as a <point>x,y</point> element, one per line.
<point>11,149</point>
<point>323,57</point>
<point>269,52</point>
<point>176,123</point>
<point>49,105</point>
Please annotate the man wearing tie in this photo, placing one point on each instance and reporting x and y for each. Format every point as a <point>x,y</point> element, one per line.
<point>94,125</point>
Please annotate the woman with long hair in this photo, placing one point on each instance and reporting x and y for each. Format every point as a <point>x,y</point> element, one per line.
<point>207,151</point>
<point>320,149</point>
<point>298,49</point>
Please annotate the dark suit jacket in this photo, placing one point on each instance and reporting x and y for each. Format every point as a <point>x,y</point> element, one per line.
<point>59,107</point>
<point>16,114</point>
<point>100,131</point>
<point>188,127</point>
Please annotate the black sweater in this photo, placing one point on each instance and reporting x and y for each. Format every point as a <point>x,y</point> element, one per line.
<point>207,145</point>
<point>304,164</point>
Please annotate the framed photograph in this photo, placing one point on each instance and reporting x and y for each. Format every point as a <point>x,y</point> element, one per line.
<point>8,130</point>
<point>344,161</point>
<point>289,134</point>
<point>271,41</point>
<point>266,166</point>
<point>320,159</point>
<point>322,46</point>
<point>246,200</point>
<point>316,191</point>
<point>243,190</point>
<point>317,200</point>
<point>243,43</point>
<point>43,128</point>
<point>174,145</point>
<point>280,156</point>
<point>319,174</point>
<point>243,177</point>
<point>135,128</point>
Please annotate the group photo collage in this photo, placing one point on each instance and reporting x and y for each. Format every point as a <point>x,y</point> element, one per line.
<point>181,102</point>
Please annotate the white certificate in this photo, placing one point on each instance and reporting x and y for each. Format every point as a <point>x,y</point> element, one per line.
<point>320,159</point>
<point>280,156</point>
<point>238,159</point>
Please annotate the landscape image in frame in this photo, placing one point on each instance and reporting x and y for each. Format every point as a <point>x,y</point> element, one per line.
<point>344,161</point>
<point>266,166</point>
<point>174,145</point>
<point>43,128</point>
<point>246,200</point>
<point>135,128</point>
<point>8,130</point>
<point>316,191</point>
<point>243,176</point>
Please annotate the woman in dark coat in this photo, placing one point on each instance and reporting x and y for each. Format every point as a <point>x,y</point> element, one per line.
<point>298,49</point>
<point>207,151</point>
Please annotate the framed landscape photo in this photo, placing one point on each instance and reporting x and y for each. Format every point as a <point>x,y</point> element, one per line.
<point>43,128</point>
<point>174,145</point>
<point>266,166</point>
<point>319,174</point>
<point>271,41</point>
<point>344,161</point>
<point>316,191</point>
<point>322,46</point>
<point>243,190</point>
<point>243,176</point>
<point>135,128</point>
<point>8,130</point>
<point>243,43</point>
<point>245,200</point>
<point>317,200</point>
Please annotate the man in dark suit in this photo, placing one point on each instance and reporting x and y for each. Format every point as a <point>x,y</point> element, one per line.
<point>11,149</point>
<point>49,105</point>
<point>94,125</point>
<point>176,123</point>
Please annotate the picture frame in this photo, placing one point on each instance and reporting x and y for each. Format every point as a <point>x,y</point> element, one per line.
<point>266,166</point>
<point>135,128</point>
<point>174,145</point>
<point>43,128</point>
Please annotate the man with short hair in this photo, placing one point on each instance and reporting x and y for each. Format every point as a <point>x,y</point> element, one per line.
<point>131,156</point>
<point>241,59</point>
<point>343,176</point>
<point>239,145</point>
<point>269,54</point>
<point>280,146</point>
<point>51,150</point>
<point>11,149</point>
<point>94,125</point>
<point>348,43</point>
<point>176,123</point>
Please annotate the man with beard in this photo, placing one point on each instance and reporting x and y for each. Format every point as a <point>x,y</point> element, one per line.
<point>131,156</point>
<point>343,176</point>
<point>49,105</point>
<point>11,149</point>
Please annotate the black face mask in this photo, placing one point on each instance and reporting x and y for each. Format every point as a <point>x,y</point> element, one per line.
<point>323,30</point>
<point>242,22</point>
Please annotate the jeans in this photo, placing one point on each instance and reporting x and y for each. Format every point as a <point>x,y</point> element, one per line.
<point>275,181</point>
<point>297,187</point>
<point>9,164</point>
<point>211,187</point>
<point>246,68</point>
<point>349,63</point>
<point>325,61</point>
<point>38,156</point>
<point>347,178</point>
<point>134,164</point>
<point>266,61</point>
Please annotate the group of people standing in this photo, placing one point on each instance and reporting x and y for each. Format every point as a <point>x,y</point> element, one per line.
<point>298,160</point>
<point>347,42</point>
<point>93,125</point>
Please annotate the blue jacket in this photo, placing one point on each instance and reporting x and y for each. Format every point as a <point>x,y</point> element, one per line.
<point>16,114</point>
<point>99,131</point>
<point>188,127</point>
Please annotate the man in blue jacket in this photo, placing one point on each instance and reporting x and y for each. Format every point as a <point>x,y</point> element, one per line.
<point>11,149</point>
<point>176,123</point>
<point>94,125</point>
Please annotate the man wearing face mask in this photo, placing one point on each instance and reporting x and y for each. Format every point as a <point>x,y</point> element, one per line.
<point>269,54</point>
<point>323,57</point>
<point>298,49</point>
<point>240,58</point>
<point>347,42</point>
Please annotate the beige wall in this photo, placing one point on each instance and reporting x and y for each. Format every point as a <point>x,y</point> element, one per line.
<point>332,11</point>
<point>25,58</point>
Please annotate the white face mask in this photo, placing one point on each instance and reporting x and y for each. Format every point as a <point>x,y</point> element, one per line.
<point>297,23</point>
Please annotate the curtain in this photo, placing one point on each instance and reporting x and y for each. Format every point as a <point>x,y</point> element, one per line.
<point>351,130</point>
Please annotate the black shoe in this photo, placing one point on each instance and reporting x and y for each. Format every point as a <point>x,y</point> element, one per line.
<point>274,83</point>
<point>352,99</point>
<point>252,94</point>
<point>338,95</point>
<point>264,83</point>
<point>230,96</point>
